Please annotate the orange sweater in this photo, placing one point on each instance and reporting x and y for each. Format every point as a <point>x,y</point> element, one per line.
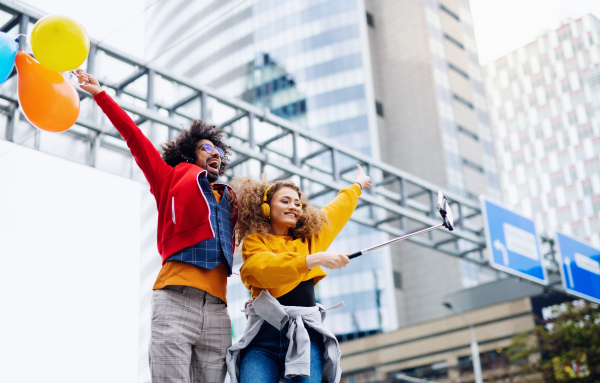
<point>278,262</point>
<point>212,281</point>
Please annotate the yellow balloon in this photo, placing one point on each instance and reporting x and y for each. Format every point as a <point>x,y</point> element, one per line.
<point>59,43</point>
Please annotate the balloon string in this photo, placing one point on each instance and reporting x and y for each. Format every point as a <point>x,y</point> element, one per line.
<point>74,74</point>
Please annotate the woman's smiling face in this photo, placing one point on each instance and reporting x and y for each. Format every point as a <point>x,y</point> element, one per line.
<point>285,210</point>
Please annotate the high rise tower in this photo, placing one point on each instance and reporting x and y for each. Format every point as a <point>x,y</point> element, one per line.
<point>544,107</point>
<point>432,121</point>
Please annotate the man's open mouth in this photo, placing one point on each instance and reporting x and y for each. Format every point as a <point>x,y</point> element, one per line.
<point>213,164</point>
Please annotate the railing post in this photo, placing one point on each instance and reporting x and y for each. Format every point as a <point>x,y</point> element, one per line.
<point>150,92</point>
<point>91,60</point>
<point>203,108</point>
<point>335,165</point>
<point>295,156</point>
<point>13,120</point>
<point>403,196</point>
<point>23,24</point>
<point>251,139</point>
<point>94,144</point>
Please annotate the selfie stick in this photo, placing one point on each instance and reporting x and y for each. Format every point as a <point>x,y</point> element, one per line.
<point>448,222</point>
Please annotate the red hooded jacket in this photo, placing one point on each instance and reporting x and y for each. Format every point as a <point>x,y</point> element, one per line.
<point>183,213</point>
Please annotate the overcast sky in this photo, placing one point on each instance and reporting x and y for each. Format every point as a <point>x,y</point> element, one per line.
<point>501,26</point>
<point>118,23</point>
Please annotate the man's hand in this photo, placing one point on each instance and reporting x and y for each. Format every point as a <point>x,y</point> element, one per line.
<point>88,82</point>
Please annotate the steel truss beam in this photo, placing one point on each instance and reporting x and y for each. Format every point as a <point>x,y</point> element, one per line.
<point>397,204</point>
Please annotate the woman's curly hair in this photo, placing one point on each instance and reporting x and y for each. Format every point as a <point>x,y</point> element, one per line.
<point>251,219</point>
<point>183,148</point>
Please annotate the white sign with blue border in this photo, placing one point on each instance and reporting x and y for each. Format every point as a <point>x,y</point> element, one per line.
<point>579,267</point>
<point>512,242</point>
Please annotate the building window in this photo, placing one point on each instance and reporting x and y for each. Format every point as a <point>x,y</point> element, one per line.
<point>458,70</point>
<point>379,108</point>
<point>564,33</point>
<point>468,133</point>
<point>397,280</point>
<point>370,20</point>
<point>454,41</point>
<point>472,165</point>
<point>449,12</point>
<point>462,101</point>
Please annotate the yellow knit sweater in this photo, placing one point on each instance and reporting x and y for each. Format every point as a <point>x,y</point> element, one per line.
<point>278,262</point>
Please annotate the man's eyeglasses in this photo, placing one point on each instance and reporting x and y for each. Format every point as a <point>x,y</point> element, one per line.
<point>209,149</point>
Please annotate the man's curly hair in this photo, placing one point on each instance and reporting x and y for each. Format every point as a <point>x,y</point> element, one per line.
<point>252,221</point>
<point>183,148</point>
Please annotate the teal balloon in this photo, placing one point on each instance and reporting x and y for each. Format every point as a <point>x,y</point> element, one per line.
<point>8,51</point>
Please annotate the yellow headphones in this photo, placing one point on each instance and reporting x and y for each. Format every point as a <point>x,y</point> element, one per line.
<point>264,207</point>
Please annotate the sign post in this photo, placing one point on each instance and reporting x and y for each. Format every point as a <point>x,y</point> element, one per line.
<point>579,267</point>
<point>512,242</point>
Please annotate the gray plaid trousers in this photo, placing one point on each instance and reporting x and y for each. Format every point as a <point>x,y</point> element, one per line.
<point>190,334</point>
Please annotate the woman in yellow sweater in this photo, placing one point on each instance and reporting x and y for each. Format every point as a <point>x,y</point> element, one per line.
<point>285,242</point>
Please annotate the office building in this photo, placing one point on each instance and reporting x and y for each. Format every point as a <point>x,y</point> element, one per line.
<point>544,109</point>
<point>441,350</point>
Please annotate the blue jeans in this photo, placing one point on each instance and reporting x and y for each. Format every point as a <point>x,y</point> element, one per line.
<point>263,361</point>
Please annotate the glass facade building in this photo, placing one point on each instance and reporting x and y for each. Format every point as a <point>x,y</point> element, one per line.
<point>231,45</point>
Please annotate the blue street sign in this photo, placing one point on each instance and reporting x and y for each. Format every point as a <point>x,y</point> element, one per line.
<point>579,267</point>
<point>512,242</point>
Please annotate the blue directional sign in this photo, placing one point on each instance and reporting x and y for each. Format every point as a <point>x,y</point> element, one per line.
<point>579,267</point>
<point>512,242</point>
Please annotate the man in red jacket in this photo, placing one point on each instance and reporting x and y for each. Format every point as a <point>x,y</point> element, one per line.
<point>191,329</point>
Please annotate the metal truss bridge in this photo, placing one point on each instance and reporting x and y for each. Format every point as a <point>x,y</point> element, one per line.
<point>398,202</point>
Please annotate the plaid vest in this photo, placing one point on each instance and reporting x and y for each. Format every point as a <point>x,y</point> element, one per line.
<point>210,253</point>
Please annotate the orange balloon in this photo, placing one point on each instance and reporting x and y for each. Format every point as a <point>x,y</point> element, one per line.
<point>49,101</point>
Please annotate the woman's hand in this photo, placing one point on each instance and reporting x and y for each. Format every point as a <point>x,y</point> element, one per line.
<point>88,82</point>
<point>331,260</point>
<point>363,180</point>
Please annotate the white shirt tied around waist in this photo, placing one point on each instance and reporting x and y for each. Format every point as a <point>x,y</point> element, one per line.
<point>297,359</point>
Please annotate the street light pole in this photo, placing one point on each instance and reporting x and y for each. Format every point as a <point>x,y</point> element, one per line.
<point>474,346</point>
